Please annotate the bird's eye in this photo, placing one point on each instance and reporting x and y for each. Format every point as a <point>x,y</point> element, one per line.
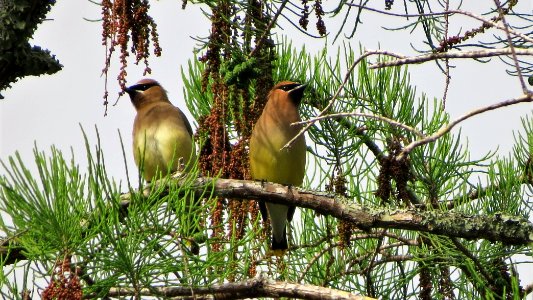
<point>143,86</point>
<point>288,87</point>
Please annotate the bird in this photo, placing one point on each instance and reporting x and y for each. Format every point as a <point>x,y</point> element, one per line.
<point>162,141</point>
<point>269,162</point>
<point>162,135</point>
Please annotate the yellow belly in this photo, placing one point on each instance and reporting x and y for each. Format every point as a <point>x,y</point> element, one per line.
<point>160,148</point>
<point>268,162</point>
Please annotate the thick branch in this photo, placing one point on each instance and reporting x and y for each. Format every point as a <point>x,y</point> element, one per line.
<point>496,228</point>
<point>509,230</point>
<point>257,287</point>
<point>18,58</point>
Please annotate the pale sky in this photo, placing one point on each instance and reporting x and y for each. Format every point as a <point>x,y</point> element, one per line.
<point>47,110</point>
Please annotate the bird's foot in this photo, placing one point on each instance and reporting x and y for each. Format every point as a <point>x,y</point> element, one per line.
<point>278,253</point>
<point>180,172</point>
<point>193,246</point>
<point>193,242</point>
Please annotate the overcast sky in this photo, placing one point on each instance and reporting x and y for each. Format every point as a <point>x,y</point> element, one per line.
<point>47,110</point>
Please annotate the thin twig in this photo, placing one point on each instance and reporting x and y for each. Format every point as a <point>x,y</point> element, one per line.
<point>480,192</point>
<point>316,257</point>
<point>329,246</point>
<point>339,89</point>
<point>446,129</point>
<point>366,115</point>
<point>388,259</point>
<point>447,55</point>
<point>448,12</point>
<point>360,132</point>
<point>511,46</point>
<point>474,259</point>
<point>367,272</point>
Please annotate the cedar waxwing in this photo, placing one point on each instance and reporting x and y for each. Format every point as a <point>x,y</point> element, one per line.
<point>268,162</point>
<point>162,140</point>
<point>162,134</point>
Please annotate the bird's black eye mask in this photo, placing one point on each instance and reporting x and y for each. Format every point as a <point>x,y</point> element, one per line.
<point>289,87</point>
<point>142,86</point>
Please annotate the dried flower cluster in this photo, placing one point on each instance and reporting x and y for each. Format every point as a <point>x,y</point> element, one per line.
<point>448,43</point>
<point>319,13</point>
<point>304,20</point>
<point>337,185</point>
<point>215,153</point>
<point>125,21</point>
<point>395,170</point>
<point>64,283</point>
<point>389,4</point>
<point>228,75</point>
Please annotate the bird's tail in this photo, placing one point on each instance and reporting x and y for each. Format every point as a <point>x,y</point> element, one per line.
<point>189,211</point>
<point>280,245</point>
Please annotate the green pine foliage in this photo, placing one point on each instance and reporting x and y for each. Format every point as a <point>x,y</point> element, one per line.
<point>73,230</point>
<point>63,210</point>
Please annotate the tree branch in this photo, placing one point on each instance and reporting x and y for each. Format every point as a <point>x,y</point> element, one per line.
<point>446,129</point>
<point>446,55</point>
<point>510,230</point>
<point>496,228</point>
<point>511,45</point>
<point>336,95</point>
<point>444,13</point>
<point>260,286</point>
<point>365,115</point>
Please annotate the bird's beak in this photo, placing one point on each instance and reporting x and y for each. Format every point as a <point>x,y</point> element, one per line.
<point>297,93</point>
<point>130,91</point>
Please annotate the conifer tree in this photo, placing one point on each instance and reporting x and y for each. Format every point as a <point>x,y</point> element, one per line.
<point>392,207</point>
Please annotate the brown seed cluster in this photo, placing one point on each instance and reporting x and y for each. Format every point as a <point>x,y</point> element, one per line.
<point>216,149</point>
<point>64,284</point>
<point>425,284</point>
<point>304,20</point>
<point>395,170</point>
<point>232,111</point>
<point>528,169</point>
<point>502,279</point>
<point>125,21</point>
<point>337,185</point>
<point>449,42</point>
<point>319,13</point>
<point>389,4</point>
